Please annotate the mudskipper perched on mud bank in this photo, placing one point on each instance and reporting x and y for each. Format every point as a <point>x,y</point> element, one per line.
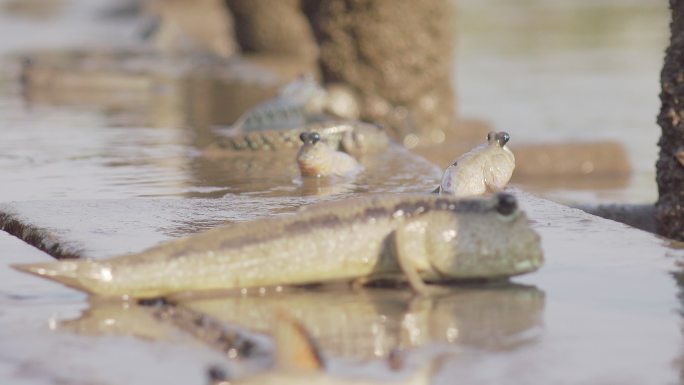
<point>304,106</point>
<point>417,238</point>
<point>486,168</point>
<point>316,159</point>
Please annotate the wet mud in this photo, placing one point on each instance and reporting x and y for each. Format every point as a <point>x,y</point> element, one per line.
<point>274,28</point>
<point>37,237</point>
<point>640,216</point>
<point>192,27</point>
<point>397,57</point>
<point>670,170</point>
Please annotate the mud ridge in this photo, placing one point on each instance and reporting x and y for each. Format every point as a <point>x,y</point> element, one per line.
<point>37,237</point>
<point>640,216</point>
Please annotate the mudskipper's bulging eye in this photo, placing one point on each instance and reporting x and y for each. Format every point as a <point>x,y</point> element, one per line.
<point>503,138</point>
<point>506,204</point>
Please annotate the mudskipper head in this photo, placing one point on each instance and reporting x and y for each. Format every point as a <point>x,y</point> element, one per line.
<point>314,156</point>
<point>483,239</point>
<point>310,137</point>
<point>499,138</point>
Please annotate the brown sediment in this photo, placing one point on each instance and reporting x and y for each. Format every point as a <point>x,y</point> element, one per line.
<point>553,162</point>
<point>579,159</point>
<point>669,171</point>
<point>193,26</point>
<point>37,237</point>
<point>276,27</point>
<point>466,134</point>
<point>196,94</point>
<point>396,55</point>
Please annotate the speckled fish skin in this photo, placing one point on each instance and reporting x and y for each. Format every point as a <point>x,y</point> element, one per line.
<point>486,168</point>
<point>317,159</point>
<point>443,238</point>
<point>349,136</point>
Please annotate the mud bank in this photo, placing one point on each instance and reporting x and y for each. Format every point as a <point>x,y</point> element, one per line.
<point>635,215</point>
<point>39,238</point>
<point>589,276</point>
<point>396,55</point>
<point>670,169</point>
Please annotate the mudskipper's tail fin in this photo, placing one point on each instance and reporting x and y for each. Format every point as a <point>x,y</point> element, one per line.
<point>65,272</point>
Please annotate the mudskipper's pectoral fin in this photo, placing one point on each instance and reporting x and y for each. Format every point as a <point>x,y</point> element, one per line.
<point>405,246</point>
<point>295,349</point>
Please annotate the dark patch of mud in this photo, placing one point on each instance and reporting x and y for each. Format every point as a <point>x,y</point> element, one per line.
<point>37,237</point>
<point>640,216</point>
<point>670,170</point>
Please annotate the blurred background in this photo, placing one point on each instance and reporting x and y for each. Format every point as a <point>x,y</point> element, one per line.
<point>575,83</point>
<point>568,71</point>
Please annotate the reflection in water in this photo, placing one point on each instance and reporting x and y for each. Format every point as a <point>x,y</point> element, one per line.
<point>139,88</point>
<point>678,276</point>
<point>365,324</point>
<point>322,187</point>
<point>276,174</point>
<point>370,323</point>
<point>32,9</point>
<point>119,318</point>
<point>136,91</point>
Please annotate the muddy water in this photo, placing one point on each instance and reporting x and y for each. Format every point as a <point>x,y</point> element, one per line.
<point>100,219</point>
<point>105,176</point>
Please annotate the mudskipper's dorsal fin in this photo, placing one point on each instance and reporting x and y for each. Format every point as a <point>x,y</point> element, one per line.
<point>295,348</point>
